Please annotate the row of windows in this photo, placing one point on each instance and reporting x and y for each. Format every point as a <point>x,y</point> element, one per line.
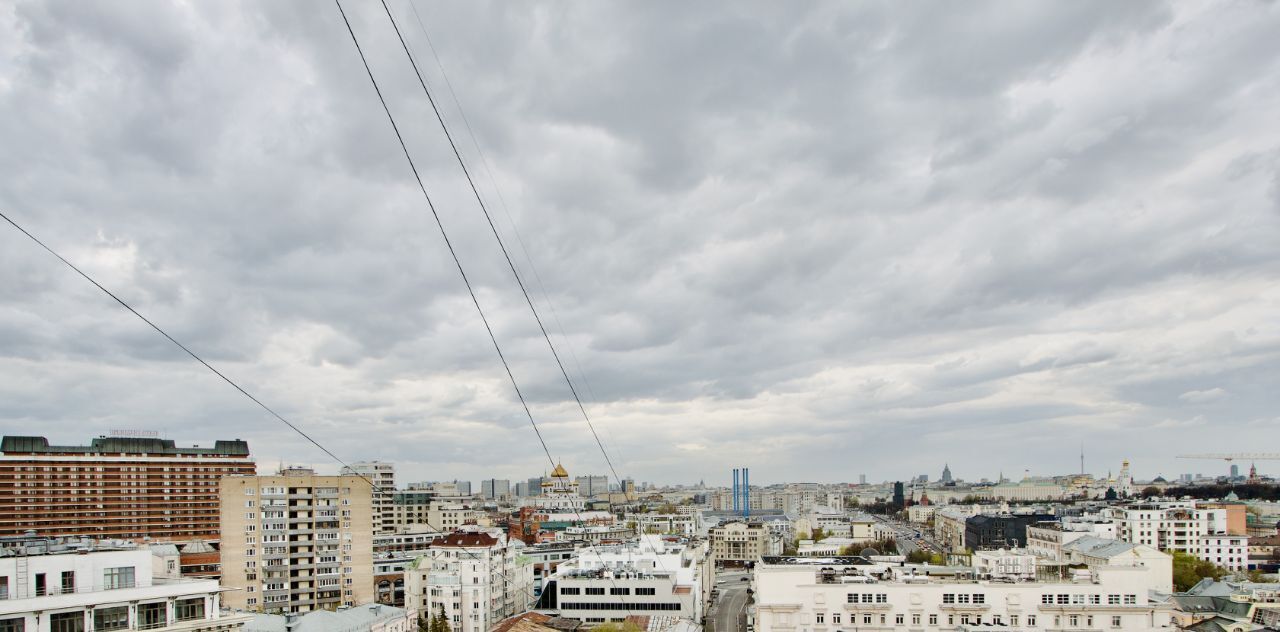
<point>868,598</point>
<point>967,619</point>
<point>1093,600</point>
<point>620,606</point>
<point>963,598</point>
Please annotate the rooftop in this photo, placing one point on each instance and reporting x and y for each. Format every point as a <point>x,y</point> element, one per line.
<point>121,445</point>
<point>324,620</point>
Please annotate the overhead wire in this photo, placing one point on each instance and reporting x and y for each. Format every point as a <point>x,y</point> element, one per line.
<point>457,261</point>
<point>501,244</point>
<point>374,487</point>
<point>493,228</point>
<point>506,211</point>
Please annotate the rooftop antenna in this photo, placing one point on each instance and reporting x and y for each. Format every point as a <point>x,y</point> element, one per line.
<point>1081,457</point>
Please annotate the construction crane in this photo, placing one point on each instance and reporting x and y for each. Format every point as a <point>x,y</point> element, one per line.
<point>1238,456</point>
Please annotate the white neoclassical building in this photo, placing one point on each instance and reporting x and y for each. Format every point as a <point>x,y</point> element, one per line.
<point>847,593</point>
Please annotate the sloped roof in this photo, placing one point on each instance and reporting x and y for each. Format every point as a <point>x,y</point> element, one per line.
<point>462,538</point>
<point>1099,547</point>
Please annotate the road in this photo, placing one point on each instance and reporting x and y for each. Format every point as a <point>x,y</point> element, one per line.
<point>908,541</point>
<point>728,611</point>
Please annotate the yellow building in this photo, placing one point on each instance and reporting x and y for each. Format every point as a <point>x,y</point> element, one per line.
<point>296,542</point>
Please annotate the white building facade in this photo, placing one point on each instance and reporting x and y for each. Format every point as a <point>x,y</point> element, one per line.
<point>475,579</point>
<point>1182,526</point>
<point>848,593</point>
<point>88,590</point>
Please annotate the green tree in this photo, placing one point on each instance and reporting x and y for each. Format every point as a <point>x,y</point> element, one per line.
<point>424,623</point>
<point>818,534</point>
<point>1188,570</point>
<point>1150,490</point>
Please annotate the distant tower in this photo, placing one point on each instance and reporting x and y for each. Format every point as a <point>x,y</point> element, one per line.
<point>1253,473</point>
<point>1125,481</point>
<point>946,474</point>
<point>1235,471</point>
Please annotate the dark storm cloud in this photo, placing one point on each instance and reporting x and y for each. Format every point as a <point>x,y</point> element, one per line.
<point>834,239</point>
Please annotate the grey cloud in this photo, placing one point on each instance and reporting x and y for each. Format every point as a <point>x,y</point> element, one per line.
<point>784,233</point>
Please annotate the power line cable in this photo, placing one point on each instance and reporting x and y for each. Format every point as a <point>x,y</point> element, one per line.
<point>408,157</point>
<point>374,487</point>
<point>502,203</point>
<point>502,245</point>
<point>443,233</point>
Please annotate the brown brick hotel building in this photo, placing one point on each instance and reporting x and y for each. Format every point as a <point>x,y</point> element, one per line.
<point>115,487</point>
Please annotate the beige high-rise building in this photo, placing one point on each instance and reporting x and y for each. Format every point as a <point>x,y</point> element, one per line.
<point>383,477</point>
<point>297,542</point>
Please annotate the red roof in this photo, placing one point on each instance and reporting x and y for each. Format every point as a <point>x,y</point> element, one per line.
<point>462,538</point>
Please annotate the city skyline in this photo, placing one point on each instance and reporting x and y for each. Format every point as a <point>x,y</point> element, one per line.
<point>823,240</point>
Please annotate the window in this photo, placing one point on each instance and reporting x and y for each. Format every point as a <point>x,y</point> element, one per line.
<point>1077,599</point>
<point>67,621</point>
<point>915,619</point>
<point>1113,600</point>
<point>1115,622</point>
<point>1088,621</point>
<point>152,615</point>
<point>962,598</point>
<point>851,598</point>
<point>948,598</point>
<point>13,625</point>
<point>819,618</point>
<point>1046,599</point>
<point>899,619</point>
<point>105,619</point>
<point>866,598</point>
<point>646,591</point>
<point>1031,620</point>
<point>68,582</point>
<point>1074,620</point>
<point>1130,600</point>
<point>979,598</point>
<point>933,619</point>
<point>835,618</point>
<point>866,619</point>
<point>188,609</point>
<point>882,597</point>
<point>1013,619</point>
<point>119,577</point>
<point>619,591</point>
<point>1063,599</point>
<point>566,590</point>
<point>1095,599</point>
<point>40,585</point>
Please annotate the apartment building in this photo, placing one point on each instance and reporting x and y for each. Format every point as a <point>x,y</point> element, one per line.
<point>74,585</point>
<point>1202,531</point>
<point>687,524</point>
<point>495,489</point>
<point>383,477</point>
<point>115,487</point>
<point>648,577</point>
<point>296,541</point>
<point>475,578</point>
<point>737,543</point>
<point>825,595</point>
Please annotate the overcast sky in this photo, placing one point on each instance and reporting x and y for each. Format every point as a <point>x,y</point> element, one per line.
<point>818,240</point>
